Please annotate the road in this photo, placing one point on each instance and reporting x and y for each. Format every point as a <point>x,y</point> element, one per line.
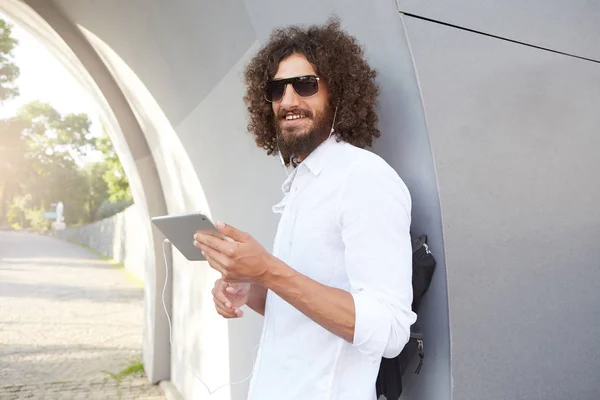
<point>67,317</point>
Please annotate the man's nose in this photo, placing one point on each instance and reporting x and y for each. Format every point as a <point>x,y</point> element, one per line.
<point>290,98</point>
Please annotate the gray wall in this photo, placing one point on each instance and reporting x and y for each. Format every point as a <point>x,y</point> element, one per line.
<point>514,131</point>
<point>567,26</point>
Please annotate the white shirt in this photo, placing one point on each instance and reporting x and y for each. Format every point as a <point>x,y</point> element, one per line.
<point>345,220</point>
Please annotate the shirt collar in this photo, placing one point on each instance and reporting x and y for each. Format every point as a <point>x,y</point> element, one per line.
<point>315,162</point>
<point>320,156</point>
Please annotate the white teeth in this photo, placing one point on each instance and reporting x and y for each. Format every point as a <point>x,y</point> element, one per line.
<point>295,116</point>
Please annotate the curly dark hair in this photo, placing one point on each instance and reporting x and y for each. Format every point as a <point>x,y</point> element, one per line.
<point>338,59</point>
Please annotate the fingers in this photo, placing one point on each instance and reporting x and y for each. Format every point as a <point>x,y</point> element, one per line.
<point>222,303</point>
<point>217,257</point>
<point>214,264</point>
<point>231,289</point>
<point>220,263</point>
<point>204,242</point>
<point>219,296</point>
<point>226,313</point>
<point>233,233</point>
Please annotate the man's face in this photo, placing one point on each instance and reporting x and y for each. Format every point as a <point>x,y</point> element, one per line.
<point>302,123</point>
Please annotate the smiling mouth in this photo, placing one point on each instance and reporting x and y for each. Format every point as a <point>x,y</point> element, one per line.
<point>292,117</point>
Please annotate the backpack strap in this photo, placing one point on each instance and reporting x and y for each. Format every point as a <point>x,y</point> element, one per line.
<point>391,370</point>
<point>415,333</point>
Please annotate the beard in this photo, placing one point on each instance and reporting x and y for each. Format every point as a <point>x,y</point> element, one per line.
<point>296,143</point>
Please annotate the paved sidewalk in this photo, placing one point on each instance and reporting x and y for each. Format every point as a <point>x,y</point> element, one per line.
<point>66,318</point>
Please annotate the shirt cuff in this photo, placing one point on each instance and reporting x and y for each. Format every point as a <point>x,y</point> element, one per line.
<point>377,331</point>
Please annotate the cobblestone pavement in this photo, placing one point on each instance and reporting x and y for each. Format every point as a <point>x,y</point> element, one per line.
<point>67,318</point>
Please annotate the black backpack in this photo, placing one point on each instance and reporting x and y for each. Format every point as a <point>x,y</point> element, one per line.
<point>389,379</point>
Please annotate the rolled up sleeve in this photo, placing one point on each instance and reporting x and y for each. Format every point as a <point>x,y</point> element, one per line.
<point>375,210</point>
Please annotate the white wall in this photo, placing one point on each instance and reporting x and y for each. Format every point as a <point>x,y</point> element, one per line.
<point>206,161</point>
<point>116,237</point>
<point>67,43</point>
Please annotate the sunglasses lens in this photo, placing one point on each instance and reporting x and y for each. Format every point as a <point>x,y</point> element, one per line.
<point>275,91</point>
<point>304,86</point>
<point>307,87</point>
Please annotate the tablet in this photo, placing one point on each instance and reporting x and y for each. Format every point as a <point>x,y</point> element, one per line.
<point>180,230</point>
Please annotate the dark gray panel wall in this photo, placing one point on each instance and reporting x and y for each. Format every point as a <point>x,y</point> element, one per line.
<point>515,137</point>
<point>568,26</point>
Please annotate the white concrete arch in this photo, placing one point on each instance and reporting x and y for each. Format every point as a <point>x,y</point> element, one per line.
<point>166,153</point>
<point>71,48</point>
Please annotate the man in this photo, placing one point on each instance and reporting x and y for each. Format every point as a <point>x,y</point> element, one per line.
<point>336,292</point>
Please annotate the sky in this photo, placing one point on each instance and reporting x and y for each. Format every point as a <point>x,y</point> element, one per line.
<point>51,84</point>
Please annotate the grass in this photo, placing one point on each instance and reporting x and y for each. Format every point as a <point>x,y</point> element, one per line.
<point>135,368</point>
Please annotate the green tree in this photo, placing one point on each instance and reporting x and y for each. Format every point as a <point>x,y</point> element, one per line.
<point>14,168</point>
<point>9,71</point>
<point>47,147</point>
<point>118,185</point>
<point>68,135</point>
<point>98,192</point>
<point>41,162</point>
<point>10,144</point>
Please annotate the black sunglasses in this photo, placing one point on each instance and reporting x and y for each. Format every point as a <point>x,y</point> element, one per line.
<point>304,86</point>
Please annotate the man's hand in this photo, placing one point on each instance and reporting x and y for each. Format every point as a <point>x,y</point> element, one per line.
<point>229,297</point>
<point>240,260</point>
<point>245,260</point>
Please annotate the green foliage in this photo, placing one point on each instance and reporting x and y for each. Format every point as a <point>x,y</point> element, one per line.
<point>15,217</point>
<point>35,220</point>
<point>108,209</point>
<point>40,164</point>
<point>9,71</point>
<point>55,136</point>
<point>135,368</point>
<point>41,154</point>
<point>118,185</point>
<point>14,168</point>
<point>98,187</point>
<point>114,176</point>
<point>50,159</point>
